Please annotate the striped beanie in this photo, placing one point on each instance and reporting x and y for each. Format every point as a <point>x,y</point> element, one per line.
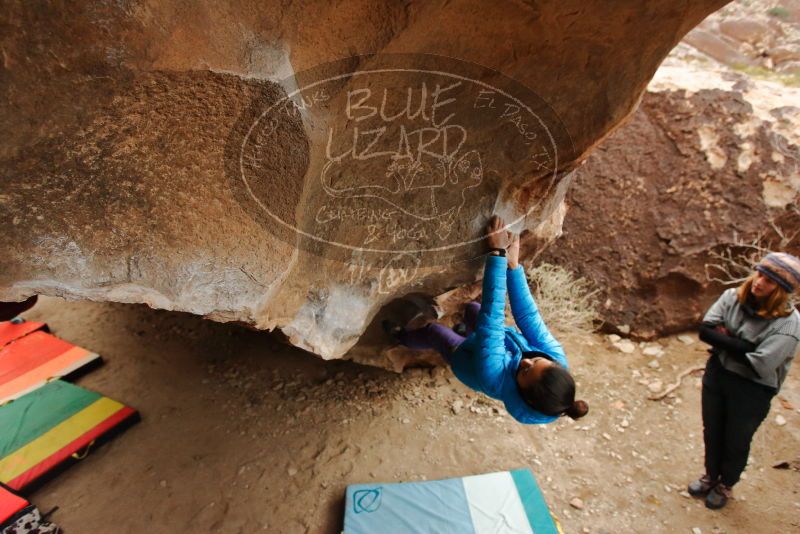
<point>783,268</point>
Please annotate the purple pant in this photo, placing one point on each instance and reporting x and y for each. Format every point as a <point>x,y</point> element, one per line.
<point>439,337</point>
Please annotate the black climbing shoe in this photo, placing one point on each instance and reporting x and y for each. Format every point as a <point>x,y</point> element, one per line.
<point>719,496</point>
<point>392,328</point>
<point>701,486</point>
<point>460,329</point>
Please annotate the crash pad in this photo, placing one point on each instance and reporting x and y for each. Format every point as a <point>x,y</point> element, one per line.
<point>10,505</point>
<point>30,361</point>
<point>43,428</point>
<point>18,516</point>
<point>506,501</point>
<point>13,330</point>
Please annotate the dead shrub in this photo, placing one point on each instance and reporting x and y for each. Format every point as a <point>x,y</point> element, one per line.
<point>567,303</point>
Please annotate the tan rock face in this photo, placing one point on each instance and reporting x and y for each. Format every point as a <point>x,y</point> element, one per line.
<point>222,160</point>
<point>716,47</point>
<point>785,53</point>
<point>745,30</point>
<point>752,35</point>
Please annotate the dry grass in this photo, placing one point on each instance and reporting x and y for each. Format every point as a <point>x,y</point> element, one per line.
<point>566,303</point>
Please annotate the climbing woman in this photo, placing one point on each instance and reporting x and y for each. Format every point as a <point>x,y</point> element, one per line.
<point>754,334</point>
<point>525,368</point>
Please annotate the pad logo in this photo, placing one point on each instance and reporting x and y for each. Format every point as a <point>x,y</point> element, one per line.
<point>367,500</point>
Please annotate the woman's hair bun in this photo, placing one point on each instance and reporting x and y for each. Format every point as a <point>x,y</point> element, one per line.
<point>578,409</point>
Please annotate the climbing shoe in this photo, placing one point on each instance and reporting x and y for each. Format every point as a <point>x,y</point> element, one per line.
<point>719,496</point>
<point>701,486</point>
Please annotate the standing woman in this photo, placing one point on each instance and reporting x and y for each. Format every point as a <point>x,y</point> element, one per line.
<point>754,334</point>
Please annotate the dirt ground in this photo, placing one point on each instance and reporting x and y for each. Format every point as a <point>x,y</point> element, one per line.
<point>240,434</point>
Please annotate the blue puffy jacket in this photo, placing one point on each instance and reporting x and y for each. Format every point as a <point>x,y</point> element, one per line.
<point>488,359</point>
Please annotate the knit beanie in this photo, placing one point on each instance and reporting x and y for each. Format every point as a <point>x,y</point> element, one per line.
<point>782,268</point>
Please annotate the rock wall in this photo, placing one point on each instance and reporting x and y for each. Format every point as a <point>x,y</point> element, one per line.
<point>698,170</point>
<point>197,157</point>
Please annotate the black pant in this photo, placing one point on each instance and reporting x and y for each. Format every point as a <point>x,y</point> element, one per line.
<point>733,408</point>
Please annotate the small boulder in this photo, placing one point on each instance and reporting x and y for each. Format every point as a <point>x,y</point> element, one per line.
<point>576,503</point>
<point>719,49</point>
<point>653,350</point>
<point>625,346</point>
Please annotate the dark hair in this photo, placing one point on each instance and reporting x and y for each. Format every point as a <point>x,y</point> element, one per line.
<point>554,394</point>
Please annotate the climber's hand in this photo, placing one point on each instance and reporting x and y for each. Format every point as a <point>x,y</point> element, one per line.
<point>496,236</point>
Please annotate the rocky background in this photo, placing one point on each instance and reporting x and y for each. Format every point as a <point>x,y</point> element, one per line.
<point>708,166</point>
<point>758,36</point>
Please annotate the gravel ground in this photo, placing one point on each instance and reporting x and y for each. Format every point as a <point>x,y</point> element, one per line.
<point>241,433</point>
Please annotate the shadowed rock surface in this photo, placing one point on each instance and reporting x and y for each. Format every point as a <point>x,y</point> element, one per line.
<point>138,167</point>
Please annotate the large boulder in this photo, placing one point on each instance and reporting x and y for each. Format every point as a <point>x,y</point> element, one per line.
<point>701,180</point>
<point>220,158</point>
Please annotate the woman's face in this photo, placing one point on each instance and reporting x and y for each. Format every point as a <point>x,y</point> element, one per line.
<point>763,286</point>
<point>531,369</point>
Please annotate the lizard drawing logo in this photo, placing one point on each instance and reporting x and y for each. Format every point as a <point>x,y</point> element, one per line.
<point>427,188</point>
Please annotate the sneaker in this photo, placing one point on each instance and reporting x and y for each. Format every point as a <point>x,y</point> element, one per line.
<point>718,496</point>
<point>392,328</point>
<point>701,486</point>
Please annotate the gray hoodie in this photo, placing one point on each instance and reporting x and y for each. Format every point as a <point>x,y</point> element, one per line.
<point>776,340</point>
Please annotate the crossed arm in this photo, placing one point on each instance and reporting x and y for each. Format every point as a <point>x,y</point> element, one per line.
<point>763,358</point>
<point>719,338</point>
<point>714,332</point>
